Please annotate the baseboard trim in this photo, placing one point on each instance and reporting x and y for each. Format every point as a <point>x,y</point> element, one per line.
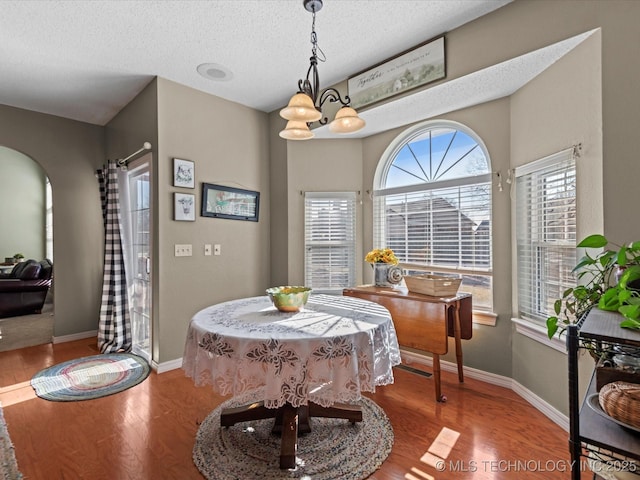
<point>544,407</point>
<point>167,366</point>
<point>537,402</point>
<point>75,336</point>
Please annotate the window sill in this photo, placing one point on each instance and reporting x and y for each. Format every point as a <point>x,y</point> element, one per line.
<point>484,318</point>
<point>539,334</point>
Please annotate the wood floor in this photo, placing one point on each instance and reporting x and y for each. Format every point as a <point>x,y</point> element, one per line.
<point>148,431</point>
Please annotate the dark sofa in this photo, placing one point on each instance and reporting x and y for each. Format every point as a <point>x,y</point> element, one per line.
<point>24,290</point>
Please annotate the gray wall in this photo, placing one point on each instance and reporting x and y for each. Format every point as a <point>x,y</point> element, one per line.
<point>22,206</point>
<point>69,152</point>
<point>229,144</point>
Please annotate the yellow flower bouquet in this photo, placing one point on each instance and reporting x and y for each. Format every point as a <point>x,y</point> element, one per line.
<point>381,255</point>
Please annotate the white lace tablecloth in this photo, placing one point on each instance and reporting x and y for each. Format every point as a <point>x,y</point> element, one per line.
<point>328,352</point>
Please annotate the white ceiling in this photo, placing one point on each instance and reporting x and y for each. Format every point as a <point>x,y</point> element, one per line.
<point>86,59</point>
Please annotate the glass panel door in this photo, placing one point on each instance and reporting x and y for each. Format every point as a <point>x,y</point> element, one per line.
<point>136,218</point>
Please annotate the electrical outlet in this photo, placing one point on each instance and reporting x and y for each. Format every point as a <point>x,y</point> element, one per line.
<point>183,250</point>
<point>207,249</point>
<point>217,250</point>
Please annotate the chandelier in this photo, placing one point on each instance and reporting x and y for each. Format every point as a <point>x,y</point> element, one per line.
<point>305,107</point>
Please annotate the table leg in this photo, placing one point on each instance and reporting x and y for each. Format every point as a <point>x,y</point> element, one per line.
<point>457,336</point>
<point>289,440</point>
<point>245,413</point>
<point>436,377</point>
<point>290,421</point>
<point>353,413</point>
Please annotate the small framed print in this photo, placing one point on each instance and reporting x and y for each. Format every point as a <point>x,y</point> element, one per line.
<point>184,174</point>
<point>184,207</point>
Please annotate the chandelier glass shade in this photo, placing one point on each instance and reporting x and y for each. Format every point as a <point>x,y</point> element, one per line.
<point>305,107</point>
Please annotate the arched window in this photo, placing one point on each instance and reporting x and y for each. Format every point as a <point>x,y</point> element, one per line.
<point>432,205</point>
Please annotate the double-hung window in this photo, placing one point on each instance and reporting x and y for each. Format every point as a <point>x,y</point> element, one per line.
<point>330,240</point>
<point>432,205</point>
<point>545,233</point>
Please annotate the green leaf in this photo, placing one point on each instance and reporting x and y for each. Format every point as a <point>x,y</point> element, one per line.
<point>593,241</point>
<point>609,300</point>
<point>584,262</point>
<point>628,323</point>
<point>557,306</point>
<point>552,326</point>
<point>631,312</point>
<point>622,256</point>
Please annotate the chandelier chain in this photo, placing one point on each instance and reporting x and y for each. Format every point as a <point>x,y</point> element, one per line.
<point>314,41</point>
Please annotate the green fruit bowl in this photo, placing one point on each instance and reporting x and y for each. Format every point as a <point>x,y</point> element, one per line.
<point>289,299</point>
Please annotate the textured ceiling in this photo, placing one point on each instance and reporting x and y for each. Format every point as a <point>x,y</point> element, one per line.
<point>85,60</point>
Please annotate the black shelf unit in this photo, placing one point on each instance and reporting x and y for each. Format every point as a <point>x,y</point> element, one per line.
<point>590,433</point>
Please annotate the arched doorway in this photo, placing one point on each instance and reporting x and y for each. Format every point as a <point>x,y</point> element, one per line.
<point>26,229</point>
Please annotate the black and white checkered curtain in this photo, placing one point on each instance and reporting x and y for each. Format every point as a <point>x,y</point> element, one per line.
<point>114,330</point>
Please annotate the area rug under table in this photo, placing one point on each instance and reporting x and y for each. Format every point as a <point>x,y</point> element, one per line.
<point>91,377</point>
<point>335,448</point>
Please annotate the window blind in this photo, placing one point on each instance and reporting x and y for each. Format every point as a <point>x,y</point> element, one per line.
<point>446,228</point>
<point>441,230</point>
<point>545,233</point>
<point>330,240</point>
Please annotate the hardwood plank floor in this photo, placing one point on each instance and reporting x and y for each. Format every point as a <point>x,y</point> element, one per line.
<point>147,432</point>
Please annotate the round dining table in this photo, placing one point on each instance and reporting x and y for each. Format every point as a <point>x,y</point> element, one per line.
<point>292,366</point>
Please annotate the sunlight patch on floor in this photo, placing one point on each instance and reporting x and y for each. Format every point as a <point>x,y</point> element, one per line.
<point>444,443</point>
<point>419,475</point>
<point>16,393</point>
<point>438,452</point>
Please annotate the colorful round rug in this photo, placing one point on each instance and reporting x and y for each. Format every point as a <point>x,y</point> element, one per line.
<point>90,377</point>
<point>334,449</point>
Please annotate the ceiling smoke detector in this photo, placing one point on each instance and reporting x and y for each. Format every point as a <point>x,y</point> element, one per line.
<point>215,72</point>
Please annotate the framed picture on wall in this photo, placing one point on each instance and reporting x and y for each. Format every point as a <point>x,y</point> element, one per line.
<point>184,207</point>
<point>410,69</point>
<point>184,174</point>
<point>228,202</point>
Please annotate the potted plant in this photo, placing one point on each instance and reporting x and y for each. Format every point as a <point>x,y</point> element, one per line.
<point>624,297</point>
<point>18,257</point>
<point>601,277</point>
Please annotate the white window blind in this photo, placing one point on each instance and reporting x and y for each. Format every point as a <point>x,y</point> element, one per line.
<point>444,228</point>
<point>545,233</point>
<point>330,240</point>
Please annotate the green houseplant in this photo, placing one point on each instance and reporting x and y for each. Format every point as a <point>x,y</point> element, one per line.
<point>605,280</point>
<point>624,297</point>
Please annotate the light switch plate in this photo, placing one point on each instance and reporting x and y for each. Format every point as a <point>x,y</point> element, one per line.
<point>217,249</point>
<point>183,250</point>
<point>207,249</point>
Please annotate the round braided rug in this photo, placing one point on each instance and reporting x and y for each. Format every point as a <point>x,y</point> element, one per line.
<point>335,448</point>
<point>90,377</point>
